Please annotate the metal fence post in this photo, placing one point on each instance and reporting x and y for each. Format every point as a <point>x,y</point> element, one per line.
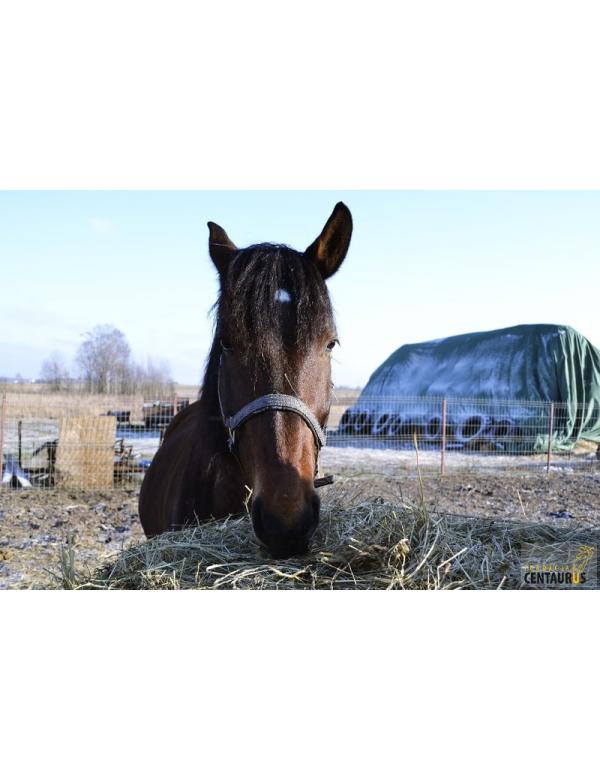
<point>550,432</point>
<point>443,444</point>
<point>2,419</point>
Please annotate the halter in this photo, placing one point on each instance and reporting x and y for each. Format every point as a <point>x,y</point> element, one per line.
<point>272,402</point>
<point>280,403</point>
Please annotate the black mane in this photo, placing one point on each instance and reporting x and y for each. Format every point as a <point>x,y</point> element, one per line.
<point>248,312</point>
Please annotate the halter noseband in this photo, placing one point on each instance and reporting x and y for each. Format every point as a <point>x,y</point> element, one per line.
<point>271,402</point>
<point>277,402</point>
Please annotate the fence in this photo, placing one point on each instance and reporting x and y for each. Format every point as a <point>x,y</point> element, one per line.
<point>80,441</point>
<point>468,434</point>
<point>100,442</point>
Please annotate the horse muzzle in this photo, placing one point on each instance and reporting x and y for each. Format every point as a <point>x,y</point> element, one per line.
<point>285,535</point>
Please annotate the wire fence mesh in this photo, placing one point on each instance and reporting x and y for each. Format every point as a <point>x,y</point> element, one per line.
<point>469,434</point>
<point>97,441</point>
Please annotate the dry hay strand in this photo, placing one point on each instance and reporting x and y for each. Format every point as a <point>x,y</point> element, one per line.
<point>359,544</point>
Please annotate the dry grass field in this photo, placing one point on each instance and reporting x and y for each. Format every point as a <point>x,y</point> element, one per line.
<point>53,406</point>
<point>36,400</point>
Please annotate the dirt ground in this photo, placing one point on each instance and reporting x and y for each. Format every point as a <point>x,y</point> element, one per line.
<point>34,524</point>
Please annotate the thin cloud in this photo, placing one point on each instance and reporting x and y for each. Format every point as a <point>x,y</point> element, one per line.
<point>100,225</point>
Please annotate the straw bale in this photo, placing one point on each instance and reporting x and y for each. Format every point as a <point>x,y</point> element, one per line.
<point>85,452</point>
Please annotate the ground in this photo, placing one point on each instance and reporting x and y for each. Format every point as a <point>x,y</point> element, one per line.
<point>35,523</point>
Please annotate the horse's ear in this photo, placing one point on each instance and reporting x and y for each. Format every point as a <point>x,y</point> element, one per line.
<point>329,250</point>
<point>221,247</point>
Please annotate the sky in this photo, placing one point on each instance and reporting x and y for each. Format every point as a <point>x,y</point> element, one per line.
<point>421,265</point>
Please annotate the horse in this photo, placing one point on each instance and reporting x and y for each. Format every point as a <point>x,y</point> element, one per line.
<point>252,439</point>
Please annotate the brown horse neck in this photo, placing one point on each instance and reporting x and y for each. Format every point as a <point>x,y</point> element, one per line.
<point>209,395</point>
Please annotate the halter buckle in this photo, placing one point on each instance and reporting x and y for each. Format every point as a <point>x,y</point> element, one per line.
<point>231,439</point>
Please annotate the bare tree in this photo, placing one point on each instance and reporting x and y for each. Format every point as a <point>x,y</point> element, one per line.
<point>105,360</point>
<point>55,373</point>
<point>107,366</point>
<point>154,379</point>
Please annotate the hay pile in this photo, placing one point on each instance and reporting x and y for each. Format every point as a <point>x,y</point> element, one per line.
<point>360,544</point>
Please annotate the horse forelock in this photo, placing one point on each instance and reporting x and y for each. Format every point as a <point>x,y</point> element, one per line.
<point>272,298</point>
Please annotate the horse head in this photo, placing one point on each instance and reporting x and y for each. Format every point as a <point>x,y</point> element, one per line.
<point>275,332</point>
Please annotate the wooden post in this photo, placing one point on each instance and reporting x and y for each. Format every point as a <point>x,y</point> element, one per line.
<point>2,419</point>
<point>174,405</point>
<point>443,445</point>
<point>19,435</point>
<point>550,432</point>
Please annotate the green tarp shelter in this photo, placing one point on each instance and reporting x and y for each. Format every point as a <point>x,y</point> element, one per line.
<point>498,385</point>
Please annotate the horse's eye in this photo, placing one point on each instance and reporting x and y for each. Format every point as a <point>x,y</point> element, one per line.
<point>331,345</point>
<point>225,346</point>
